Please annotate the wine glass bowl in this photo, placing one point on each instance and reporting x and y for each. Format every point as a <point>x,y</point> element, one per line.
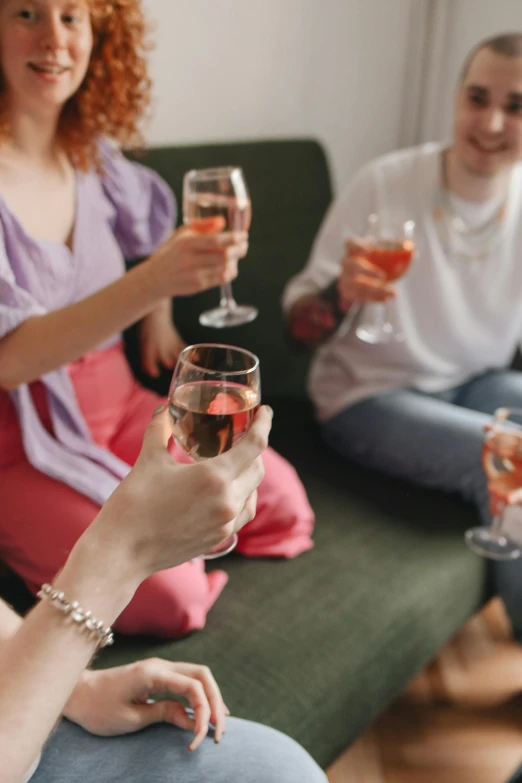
<point>220,192</point>
<point>391,257</point>
<point>214,395</point>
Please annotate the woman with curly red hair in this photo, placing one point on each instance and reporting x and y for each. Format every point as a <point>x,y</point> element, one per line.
<point>73,88</point>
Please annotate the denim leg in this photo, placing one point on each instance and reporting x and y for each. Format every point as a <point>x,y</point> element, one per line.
<point>500,389</point>
<point>433,443</point>
<point>492,390</point>
<point>417,437</point>
<point>248,752</point>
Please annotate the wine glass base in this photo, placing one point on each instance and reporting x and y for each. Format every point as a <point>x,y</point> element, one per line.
<point>221,317</point>
<point>223,549</point>
<point>378,336</point>
<point>497,547</point>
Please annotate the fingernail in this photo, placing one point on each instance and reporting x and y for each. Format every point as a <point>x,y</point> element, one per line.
<point>270,410</point>
<point>159,410</point>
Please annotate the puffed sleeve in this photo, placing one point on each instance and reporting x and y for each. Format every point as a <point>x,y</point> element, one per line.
<point>144,205</point>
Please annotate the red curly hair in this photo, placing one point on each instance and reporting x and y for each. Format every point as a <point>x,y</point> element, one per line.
<point>116,90</point>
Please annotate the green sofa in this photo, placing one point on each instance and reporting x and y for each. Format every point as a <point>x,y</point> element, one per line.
<point>319,646</point>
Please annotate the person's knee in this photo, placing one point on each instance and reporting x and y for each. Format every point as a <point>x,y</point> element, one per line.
<point>170,603</point>
<point>284,520</point>
<point>282,492</point>
<point>269,756</point>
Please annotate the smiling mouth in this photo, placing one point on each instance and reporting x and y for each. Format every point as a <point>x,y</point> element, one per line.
<point>54,70</point>
<point>489,148</point>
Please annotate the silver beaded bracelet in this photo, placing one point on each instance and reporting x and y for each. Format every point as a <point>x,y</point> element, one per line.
<point>74,611</point>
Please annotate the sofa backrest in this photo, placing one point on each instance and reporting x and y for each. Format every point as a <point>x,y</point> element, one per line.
<point>290,189</point>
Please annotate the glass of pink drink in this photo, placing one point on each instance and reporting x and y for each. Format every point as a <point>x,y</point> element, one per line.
<point>502,462</point>
<point>389,246</point>
<point>214,395</point>
<point>220,192</point>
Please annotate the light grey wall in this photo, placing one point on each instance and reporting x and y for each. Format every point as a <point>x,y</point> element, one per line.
<point>457,26</point>
<point>337,70</point>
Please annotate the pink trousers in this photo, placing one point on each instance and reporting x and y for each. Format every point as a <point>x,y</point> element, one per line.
<point>41,518</point>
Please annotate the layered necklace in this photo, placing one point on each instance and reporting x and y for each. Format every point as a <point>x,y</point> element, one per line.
<point>465,242</point>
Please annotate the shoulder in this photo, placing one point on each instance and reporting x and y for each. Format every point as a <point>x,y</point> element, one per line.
<point>394,167</point>
<point>131,185</point>
<point>143,204</point>
<point>405,162</point>
<point>404,175</point>
<point>118,172</point>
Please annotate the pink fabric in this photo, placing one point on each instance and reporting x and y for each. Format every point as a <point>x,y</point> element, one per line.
<point>41,518</point>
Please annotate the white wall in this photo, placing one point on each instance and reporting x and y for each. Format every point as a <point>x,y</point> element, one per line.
<point>239,69</point>
<point>462,24</point>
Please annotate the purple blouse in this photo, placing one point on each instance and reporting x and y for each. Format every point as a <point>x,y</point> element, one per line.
<point>126,213</point>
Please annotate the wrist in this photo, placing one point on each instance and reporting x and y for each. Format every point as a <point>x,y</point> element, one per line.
<point>149,284</point>
<point>100,576</point>
<point>332,296</point>
<point>159,278</point>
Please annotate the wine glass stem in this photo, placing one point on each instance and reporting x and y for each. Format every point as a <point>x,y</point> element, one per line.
<point>387,312</point>
<point>227,301</point>
<point>379,316</point>
<point>498,522</point>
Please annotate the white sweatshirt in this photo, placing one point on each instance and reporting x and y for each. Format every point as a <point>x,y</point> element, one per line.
<point>458,316</point>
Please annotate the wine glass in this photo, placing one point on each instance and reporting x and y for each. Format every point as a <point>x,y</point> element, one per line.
<point>388,245</point>
<point>502,462</point>
<point>214,395</point>
<point>220,192</point>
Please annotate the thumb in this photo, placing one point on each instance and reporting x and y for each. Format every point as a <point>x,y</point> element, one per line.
<point>211,225</point>
<point>157,434</point>
<point>356,246</point>
<point>164,711</point>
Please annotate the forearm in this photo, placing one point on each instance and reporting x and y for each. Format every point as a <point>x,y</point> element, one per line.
<point>44,343</point>
<point>41,664</point>
<point>10,622</point>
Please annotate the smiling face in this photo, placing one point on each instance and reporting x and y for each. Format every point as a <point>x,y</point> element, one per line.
<point>488,114</point>
<point>45,48</point>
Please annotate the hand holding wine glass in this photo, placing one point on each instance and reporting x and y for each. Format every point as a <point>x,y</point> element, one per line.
<point>197,257</point>
<point>172,512</point>
<point>213,398</point>
<point>502,463</point>
<point>360,280</point>
<point>371,264</point>
<point>221,192</point>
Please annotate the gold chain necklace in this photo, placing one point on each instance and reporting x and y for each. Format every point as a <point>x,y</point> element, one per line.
<point>464,241</point>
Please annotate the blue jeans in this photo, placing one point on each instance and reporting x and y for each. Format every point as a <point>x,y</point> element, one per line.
<point>248,753</point>
<point>435,440</point>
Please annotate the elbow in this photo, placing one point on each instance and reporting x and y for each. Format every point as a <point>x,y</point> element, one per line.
<point>13,364</point>
<point>11,375</point>
<point>8,385</point>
